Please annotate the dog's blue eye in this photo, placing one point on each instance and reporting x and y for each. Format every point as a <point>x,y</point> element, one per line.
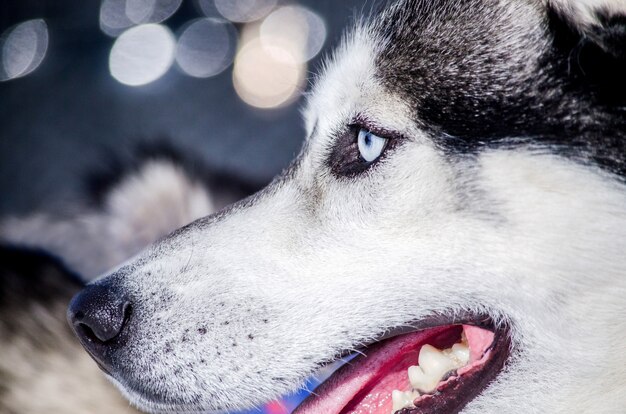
<point>370,145</point>
<point>357,149</point>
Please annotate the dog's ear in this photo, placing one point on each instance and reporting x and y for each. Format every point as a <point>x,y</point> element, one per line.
<point>598,22</point>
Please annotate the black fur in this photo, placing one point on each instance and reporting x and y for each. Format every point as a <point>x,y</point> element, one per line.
<point>550,85</point>
<point>30,279</point>
<point>610,35</point>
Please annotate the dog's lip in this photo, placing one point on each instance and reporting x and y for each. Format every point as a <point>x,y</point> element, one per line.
<point>433,320</point>
<point>458,391</point>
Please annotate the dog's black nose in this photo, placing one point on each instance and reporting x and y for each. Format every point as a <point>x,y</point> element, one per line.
<point>98,314</point>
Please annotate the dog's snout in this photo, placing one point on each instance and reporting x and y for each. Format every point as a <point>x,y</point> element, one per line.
<point>98,314</point>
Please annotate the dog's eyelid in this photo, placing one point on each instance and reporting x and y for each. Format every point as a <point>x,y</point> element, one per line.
<point>374,128</point>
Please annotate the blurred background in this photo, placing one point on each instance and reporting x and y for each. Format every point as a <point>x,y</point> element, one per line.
<point>222,79</point>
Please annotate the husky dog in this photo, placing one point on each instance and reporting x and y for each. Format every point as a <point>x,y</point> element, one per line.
<point>457,217</point>
<point>145,196</point>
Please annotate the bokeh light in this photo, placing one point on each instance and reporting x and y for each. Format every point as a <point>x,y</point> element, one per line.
<point>139,11</point>
<point>113,18</point>
<point>271,64</point>
<point>206,47</point>
<point>242,11</point>
<point>207,8</point>
<point>142,54</point>
<point>296,28</point>
<point>23,48</point>
<point>151,11</point>
<point>267,76</point>
<point>118,15</point>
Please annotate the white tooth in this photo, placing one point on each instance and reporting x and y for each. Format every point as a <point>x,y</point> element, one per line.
<point>461,353</point>
<point>434,362</point>
<point>420,381</point>
<point>402,399</point>
<point>397,397</point>
<point>433,365</point>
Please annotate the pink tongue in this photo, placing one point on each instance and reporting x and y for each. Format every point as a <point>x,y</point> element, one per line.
<point>478,340</point>
<point>364,385</point>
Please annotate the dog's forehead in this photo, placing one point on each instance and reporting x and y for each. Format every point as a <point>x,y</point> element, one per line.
<point>435,61</point>
<point>350,89</point>
<point>469,68</point>
<point>470,45</point>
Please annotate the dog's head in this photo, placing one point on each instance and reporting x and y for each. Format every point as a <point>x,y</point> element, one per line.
<point>459,187</point>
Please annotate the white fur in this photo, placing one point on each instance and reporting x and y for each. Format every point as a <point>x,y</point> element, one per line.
<point>247,304</point>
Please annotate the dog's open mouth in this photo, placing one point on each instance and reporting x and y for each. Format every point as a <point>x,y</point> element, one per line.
<point>434,370</point>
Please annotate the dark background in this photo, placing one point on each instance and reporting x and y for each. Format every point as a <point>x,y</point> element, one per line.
<point>59,122</point>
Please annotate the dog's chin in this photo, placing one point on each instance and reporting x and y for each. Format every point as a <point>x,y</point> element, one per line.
<point>142,400</point>
<point>436,365</point>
